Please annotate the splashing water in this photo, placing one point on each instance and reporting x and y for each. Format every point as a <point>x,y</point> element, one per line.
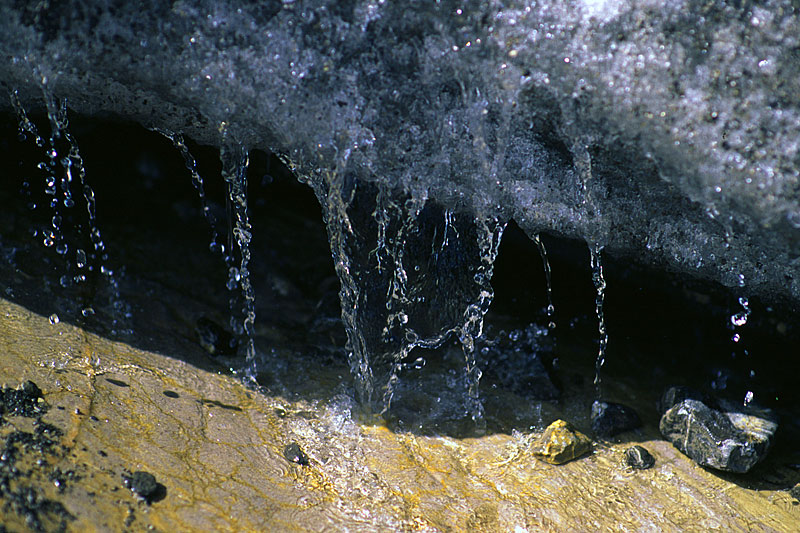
<point>413,275</point>
<point>599,281</point>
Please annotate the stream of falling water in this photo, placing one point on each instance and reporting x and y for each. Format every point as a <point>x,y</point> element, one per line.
<point>599,281</point>
<point>551,310</point>
<point>197,182</point>
<point>235,160</point>
<point>60,173</point>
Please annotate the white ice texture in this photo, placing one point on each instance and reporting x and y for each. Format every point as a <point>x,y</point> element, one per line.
<point>667,131</point>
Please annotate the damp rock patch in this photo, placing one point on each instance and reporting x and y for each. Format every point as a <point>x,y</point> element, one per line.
<point>731,438</point>
<point>561,443</point>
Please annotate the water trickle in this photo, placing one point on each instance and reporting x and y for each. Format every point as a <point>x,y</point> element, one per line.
<point>413,274</point>
<point>599,281</point>
<point>197,182</point>
<point>235,160</point>
<point>551,310</point>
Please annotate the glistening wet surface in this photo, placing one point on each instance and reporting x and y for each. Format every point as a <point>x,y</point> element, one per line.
<point>142,394</point>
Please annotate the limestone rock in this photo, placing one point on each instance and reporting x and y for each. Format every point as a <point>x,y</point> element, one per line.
<point>561,443</point>
<point>730,438</point>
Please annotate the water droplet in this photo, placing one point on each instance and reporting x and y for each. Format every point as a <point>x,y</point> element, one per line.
<point>80,258</point>
<point>87,311</point>
<point>739,319</point>
<point>62,248</point>
<point>48,241</point>
<point>748,397</point>
<point>54,319</point>
<point>735,337</point>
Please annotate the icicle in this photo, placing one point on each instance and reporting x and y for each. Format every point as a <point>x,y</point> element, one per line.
<point>600,286</point>
<point>235,160</point>
<point>551,310</point>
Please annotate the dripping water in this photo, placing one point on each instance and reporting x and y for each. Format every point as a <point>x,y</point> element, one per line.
<point>599,281</point>
<point>490,233</point>
<point>197,182</point>
<point>551,310</point>
<point>60,178</point>
<point>235,160</point>
<point>737,321</point>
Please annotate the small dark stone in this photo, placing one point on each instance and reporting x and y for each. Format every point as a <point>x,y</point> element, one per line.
<point>609,419</point>
<point>638,457</point>
<point>171,394</point>
<point>94,418</point>
<point>215,339</point>
<point>731,438</point>
<point>795,492</point>
<point>101,453</point>
<point>117,382</point>
<point>31,390</point>
<point>144,485</point>
<point>27,401</point>
<point>294,454</point>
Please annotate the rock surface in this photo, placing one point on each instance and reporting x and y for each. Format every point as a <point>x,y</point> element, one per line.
<point>609,419</point>
<point>665,130</point>
<point>639,458</point>
<point>734,439</point>
<point>561,443</point>
<point>218,447</point>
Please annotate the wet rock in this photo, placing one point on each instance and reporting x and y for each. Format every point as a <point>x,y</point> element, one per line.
<point>609,419</point>
<point>731,438</point>
<point>639,458</point>
<point>795,492</point>
<point>215,339</point>
<point>145,486</point>
<point>561,443</point>
<point>294,454</point>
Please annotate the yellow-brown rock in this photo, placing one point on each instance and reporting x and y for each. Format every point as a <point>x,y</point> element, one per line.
<point>561,443</point>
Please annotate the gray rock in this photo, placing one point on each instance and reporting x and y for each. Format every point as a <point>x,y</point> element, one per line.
<point>609,419</point>
<point>733,438</point>
<point>665,130</point>
<point>639,458</point>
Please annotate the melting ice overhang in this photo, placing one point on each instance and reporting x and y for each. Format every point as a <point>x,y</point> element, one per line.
<point>668,131</point>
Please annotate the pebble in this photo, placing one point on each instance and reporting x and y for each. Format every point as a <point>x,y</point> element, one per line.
<point>729,437</point>
<point>561,443</point>
<point>144,485</point>
<point>639,458</point>
<point>609,419</point>
<point>294,454</point>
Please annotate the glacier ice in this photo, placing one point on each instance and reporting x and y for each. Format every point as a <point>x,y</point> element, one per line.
<point>667,132</point>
